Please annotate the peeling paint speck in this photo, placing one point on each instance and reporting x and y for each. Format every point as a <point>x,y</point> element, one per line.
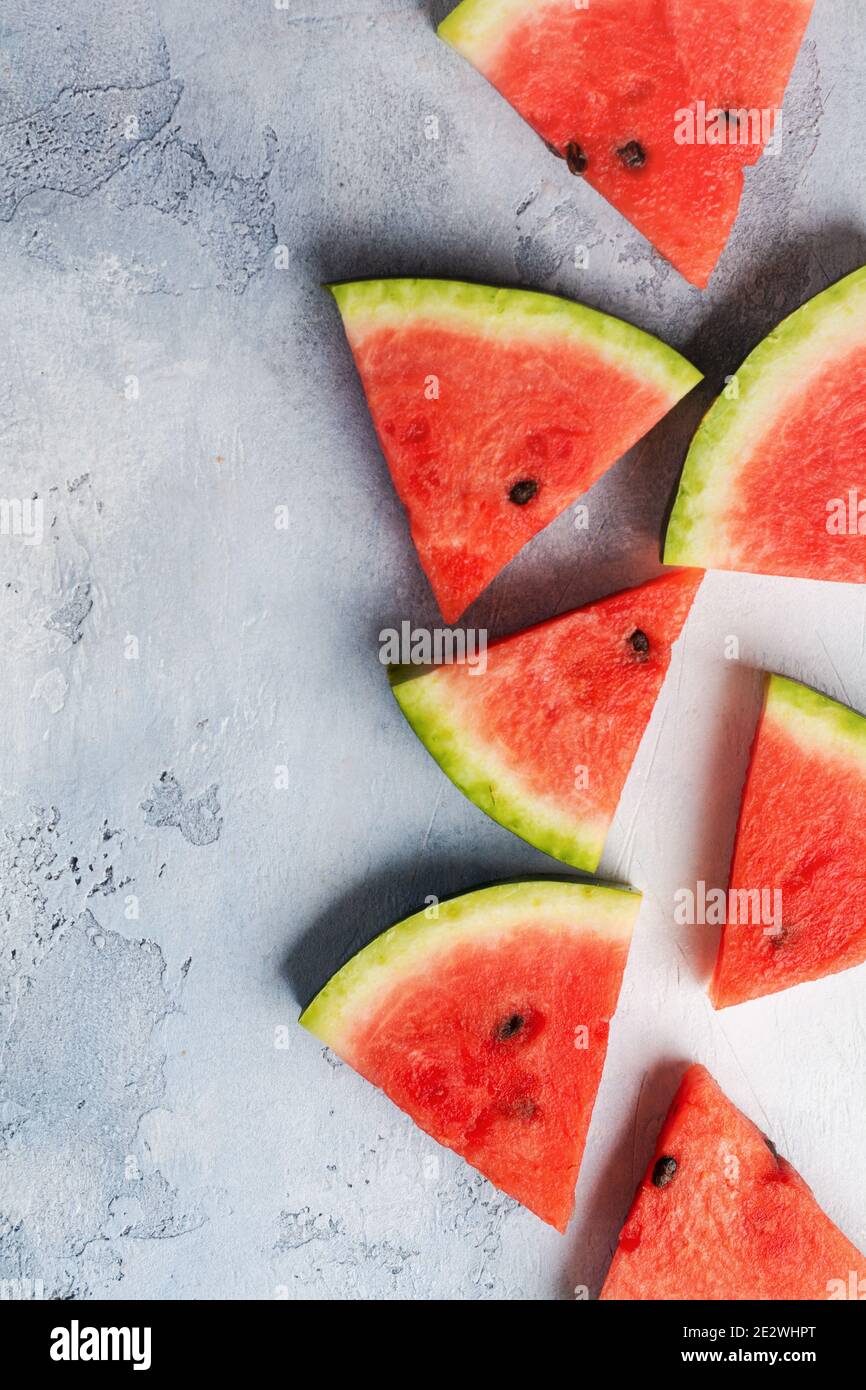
<point>69,617</point>
<point>197,817</point>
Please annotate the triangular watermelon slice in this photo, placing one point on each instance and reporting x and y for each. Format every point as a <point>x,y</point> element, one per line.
<point>801,835</point>
<point>775,480</point>
<point>543,738</point>
<point>486,1019</point>
<point>658,104</point>
<point>496,409</point>
<point>719,1215</point>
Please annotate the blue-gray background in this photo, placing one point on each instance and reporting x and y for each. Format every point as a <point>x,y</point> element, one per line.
<point>207,795</point>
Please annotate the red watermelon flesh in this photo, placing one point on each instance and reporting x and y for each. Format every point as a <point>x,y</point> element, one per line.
<point>801,834</point>
<point>829,445</point>
<point>495,410</point>
<point>612,79</point>
<point>775,479</point>
<point>543,739</point>
<point>486,1020</point>
<point>719,1215</point>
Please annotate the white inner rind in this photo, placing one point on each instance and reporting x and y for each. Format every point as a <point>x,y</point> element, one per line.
<point>433,708</point>
<point>816,723</point>
<point>509,316</point>
<point>479,28</point>
<point>773,383</point>
<point>417,944</point>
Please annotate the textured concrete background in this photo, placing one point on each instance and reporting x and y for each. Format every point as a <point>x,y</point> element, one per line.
<point>207,796</point>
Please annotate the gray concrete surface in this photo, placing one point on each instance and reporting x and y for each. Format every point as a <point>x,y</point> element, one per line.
<point>207,796</point>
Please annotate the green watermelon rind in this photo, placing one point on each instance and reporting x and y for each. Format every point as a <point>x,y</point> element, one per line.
<point>781,364</point>
<point>476,772</point>
<point>515,315</point>
<point>414,944</point>
<point>816,721</point>
<point>476,27</point>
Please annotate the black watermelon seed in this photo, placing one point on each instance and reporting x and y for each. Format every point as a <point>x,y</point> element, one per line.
<point>633,155</point>
<point>575,158</point>
<point>523,492</point>
<point>524,1108</point>
<point>772,1147</point>
<point>554,150</point>
<point>664,1171</point>
<point>778,936</point>
<point>639,643</point>
<point>509,1027</point>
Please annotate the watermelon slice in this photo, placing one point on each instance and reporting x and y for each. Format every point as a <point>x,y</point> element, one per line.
<point>659,104</point>
<point>802,835</point>
<point>486,1020</point>
<point>775,480</point>
<point>719,1215</point>
<point>543,739</point>
<point>496,409</point>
